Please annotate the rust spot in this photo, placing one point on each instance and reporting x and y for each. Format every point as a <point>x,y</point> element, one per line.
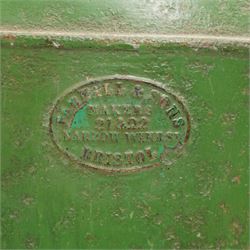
<point>236,228</point>
<point>9,37</point>
<point>236,179</point>
<point>224,207</point>
<point>14,215</point>
<point>246,91</point>
<point>210,113</point>
<point>27,200</point>
<point>228,118</point>
<point>31,243</point>
<point>219,144</point>
<point>89,237</point>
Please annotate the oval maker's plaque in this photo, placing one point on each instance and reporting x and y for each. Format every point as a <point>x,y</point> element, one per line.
<point>120,124</point>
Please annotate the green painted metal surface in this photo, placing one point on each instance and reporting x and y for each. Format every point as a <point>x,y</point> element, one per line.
<point>154,16</point>
<point>50,201</point>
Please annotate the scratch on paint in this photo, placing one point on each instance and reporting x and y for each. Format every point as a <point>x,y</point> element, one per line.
<point>211,86</point>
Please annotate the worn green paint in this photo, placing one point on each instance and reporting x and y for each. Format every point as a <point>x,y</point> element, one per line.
<point>152,16</point>
<point>80,119</point>
<point>201,202</point>
<point>49,202</point>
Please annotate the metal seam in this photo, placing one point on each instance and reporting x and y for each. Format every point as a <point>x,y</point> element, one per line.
<point>135,37</point>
